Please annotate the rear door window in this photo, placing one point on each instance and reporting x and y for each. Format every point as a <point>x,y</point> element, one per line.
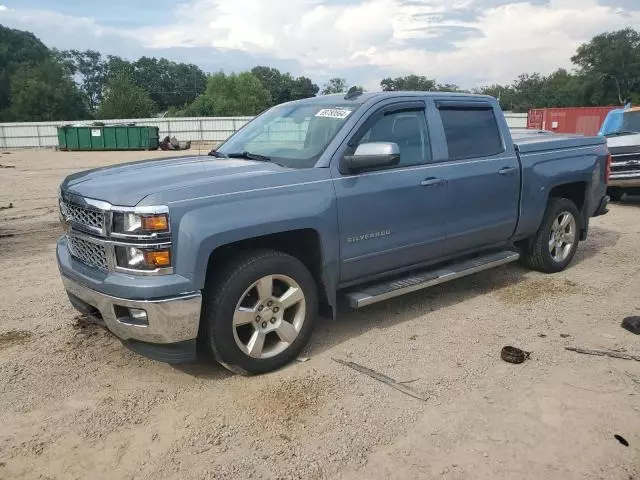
<point>471,132</point>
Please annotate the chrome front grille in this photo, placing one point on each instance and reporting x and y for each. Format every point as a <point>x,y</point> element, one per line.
<point>91,253</point>
<point>87,218</point>
<point>625,165</point>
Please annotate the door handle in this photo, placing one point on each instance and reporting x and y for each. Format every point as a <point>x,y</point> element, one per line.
<point>432,182</point>
<point>507,170</point>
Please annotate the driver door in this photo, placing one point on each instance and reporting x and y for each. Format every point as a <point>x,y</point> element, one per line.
<point>394,217</point>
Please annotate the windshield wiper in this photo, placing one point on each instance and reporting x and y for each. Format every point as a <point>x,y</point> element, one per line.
<point>217,154</point>
<point>251,156</point>
<point>621,132</point>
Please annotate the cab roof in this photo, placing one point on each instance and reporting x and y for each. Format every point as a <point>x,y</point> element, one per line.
<point>339,98</point>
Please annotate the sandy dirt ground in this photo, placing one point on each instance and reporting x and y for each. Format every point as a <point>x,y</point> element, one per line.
<point>74,403</point>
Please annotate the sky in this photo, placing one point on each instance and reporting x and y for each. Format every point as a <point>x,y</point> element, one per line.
<point>467,42</point>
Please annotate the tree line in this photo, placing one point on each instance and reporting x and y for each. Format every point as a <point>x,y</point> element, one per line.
<point>40,84</point>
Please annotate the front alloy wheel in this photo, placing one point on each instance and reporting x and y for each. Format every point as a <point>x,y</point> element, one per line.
<point>258,311</point>
<point>269,316</point>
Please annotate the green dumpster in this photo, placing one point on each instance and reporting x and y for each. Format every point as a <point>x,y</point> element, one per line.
<point>108,137</point>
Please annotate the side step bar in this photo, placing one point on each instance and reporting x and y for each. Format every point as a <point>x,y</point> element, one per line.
<point>373,293</point>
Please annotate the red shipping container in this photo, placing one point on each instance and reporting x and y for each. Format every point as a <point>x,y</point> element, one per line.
<point>580,120</point>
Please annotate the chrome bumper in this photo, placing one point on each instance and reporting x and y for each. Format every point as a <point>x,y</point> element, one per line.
<point>169,320</point>
<point>625,182</point>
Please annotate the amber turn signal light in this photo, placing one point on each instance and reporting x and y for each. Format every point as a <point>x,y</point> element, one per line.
<point>154,223</point>
<point>158,258</point>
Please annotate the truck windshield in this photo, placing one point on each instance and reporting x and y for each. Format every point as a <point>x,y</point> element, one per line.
<point>292,135</point>
<point>621,122</point>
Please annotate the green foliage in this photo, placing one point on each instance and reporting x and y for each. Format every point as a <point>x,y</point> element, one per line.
<point>408,83</point>
<point>40,84</point>
<point>303,87</point>
<point>229,95</point>
<point>608,74</point>
<point>45,92</point>
<point>335,85</point>
<point>282,87</point>
<point>278,84</point>
<point>124,99</point>
<point>612,63</point>
<point>170,84</point>
<point>17,49</point>
<point>416,83</point>
<point>91,68</point>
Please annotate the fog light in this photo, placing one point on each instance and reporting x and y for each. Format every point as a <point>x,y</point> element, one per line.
<point>158,258</point>
<point>131,316</point>
<point>138,314</point>
<point>142,258</point>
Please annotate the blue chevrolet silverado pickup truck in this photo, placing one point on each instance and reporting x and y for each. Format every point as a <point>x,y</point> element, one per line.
<point>362,197</point>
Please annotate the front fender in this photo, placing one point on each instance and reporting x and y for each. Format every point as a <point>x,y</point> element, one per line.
<point>211,223</point>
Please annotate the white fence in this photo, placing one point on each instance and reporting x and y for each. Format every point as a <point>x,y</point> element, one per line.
<point>45,134</point>
<point>204,129</point>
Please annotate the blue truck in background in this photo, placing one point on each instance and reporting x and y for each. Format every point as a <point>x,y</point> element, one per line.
<point>361,197</point>
<point>621,127</point>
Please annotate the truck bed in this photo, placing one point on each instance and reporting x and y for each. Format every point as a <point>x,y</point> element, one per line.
<point>547,159</point>
<point>529,141</point>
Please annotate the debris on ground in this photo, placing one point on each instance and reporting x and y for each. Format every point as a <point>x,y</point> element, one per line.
<point>404,382</point>
<point>564,335</point>
<point>382,378</point>
<point>172,143</point>
<point>604,353</point>
<point>14,337</point>
<point>514,355</point>
<point>633,378</point>
<point>7,207</point>
<point>302,359</point>
<point>7,166</point>
<point>621,439</point>
<point>632,324</point>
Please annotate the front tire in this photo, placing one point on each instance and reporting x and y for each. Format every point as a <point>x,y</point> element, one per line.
<point>259,312</point>
<point>555,243</point>
<point>615,194</point>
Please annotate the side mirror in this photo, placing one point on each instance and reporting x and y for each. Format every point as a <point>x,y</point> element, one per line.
<point>371,156</point>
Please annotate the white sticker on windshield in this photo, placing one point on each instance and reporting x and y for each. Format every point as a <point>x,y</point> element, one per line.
<point>334,113</point>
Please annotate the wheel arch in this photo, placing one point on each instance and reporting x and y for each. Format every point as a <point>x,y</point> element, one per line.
<point>577,192</point>
<point>304,244</point>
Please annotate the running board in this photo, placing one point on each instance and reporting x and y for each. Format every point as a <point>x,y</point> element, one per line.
<point>373,293</point>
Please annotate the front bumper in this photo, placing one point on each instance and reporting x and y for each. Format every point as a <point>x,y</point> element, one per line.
<point>624,182</point>
<point>171,323</point>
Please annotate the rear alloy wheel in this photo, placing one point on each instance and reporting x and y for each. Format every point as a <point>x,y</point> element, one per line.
<point>259,311</point>
<point>555,243</point>
<point>563,237</point>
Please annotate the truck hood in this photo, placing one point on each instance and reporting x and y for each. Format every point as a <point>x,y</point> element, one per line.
<point>127,184</point>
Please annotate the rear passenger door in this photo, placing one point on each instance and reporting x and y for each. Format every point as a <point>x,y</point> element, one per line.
<point>483,176</point>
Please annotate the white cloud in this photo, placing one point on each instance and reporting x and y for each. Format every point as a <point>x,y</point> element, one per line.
<point>461,41</point>
<point>399,36</point>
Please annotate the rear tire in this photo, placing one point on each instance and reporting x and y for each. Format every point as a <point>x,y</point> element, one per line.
<point>259,312</point>
<point>555,243</point>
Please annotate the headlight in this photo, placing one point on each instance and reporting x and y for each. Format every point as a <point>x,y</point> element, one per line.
<point>143,258</point>
<point>140,224</point>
